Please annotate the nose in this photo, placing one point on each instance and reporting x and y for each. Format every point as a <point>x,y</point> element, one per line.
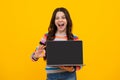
<point>60,19</point>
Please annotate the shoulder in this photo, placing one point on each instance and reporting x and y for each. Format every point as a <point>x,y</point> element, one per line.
<point>75,37</point>
<point>45,35</point>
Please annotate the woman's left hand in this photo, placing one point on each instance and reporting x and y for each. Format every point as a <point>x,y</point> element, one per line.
<point>67,68</point>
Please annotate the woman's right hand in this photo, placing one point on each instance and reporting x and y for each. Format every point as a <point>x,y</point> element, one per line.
<point>39,52</point>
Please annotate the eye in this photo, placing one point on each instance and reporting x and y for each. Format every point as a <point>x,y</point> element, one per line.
<point>63,17</point>
<point>57,18</point>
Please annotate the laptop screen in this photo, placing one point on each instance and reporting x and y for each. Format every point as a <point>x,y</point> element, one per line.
<point>64,53</point>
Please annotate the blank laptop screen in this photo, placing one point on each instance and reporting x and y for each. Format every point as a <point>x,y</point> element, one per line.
<point>64,53</point>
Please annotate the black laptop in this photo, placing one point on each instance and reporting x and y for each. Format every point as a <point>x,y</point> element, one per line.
<point>64,53</point>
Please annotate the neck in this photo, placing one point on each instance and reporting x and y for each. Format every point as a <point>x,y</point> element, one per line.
<point>61,32</point>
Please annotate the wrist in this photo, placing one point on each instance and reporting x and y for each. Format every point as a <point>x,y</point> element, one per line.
<point>34,57</point>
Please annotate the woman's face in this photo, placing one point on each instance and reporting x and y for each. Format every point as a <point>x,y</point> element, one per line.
<point>60,21</point>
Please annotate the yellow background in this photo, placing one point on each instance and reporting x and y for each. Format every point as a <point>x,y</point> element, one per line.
<point>23,23</point>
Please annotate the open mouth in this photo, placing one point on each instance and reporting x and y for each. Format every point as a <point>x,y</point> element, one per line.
<point>60,25</point>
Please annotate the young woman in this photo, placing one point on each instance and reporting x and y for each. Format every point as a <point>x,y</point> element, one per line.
<point>60,28</point>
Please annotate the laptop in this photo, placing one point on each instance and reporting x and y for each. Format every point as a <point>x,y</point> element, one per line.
<point>64,53</point>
